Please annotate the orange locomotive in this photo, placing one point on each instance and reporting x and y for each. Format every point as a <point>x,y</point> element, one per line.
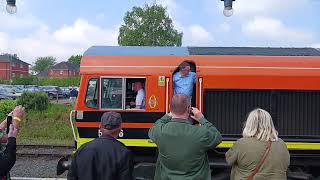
<point>230,83</point>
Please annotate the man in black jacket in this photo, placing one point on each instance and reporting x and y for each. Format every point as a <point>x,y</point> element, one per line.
<point>8,157</point>
<point>104,158</point>
<point>8,143</point>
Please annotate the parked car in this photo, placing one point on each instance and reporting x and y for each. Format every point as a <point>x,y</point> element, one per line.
<point>31,88</point>
<point>8,93</point>
<point>65,91</point>
<point>53,91</point>
<point>17,90</point>
<point>3,97</point>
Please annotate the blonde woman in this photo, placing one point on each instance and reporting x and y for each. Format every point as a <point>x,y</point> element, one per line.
<point>259,154</point>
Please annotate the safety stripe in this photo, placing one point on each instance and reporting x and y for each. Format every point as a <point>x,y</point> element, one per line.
<point>223,144</point>
<point>124,125</point>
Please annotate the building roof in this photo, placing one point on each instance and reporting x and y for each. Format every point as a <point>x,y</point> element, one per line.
<point>253,51</point>
<point>44,73</point>
<point>185,51</point>
<point>65,65</point>
<point>11,58</point>
<point>135,51</point>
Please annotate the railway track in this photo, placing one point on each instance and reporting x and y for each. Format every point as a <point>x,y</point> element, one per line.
<point>44,150</point>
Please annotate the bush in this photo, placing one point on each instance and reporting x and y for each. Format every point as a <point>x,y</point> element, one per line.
<point>59,82</point>
<point>34,101</point>
<point>30,80</point>
<point>4,81</point>
<point>6,106</point>
<point>33,80</point>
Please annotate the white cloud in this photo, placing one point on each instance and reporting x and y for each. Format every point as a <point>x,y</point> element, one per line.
<point>174,9</point>
<point>61,43</point>
<point>267,7</point>
<point>248,8</point>
<point>196,35</point>
<point>4,41</point>
<point>18,22</point>
<point>273,30</point>
<point>317,45</point>
<point>171,6</point>
<point>82,33</point>
<point>224,27</point>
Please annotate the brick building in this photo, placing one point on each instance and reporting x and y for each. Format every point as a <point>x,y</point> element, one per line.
<point>12,67</point>
<point>61,70</point>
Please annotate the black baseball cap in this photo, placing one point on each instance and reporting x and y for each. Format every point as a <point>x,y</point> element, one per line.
<point>111,120</point>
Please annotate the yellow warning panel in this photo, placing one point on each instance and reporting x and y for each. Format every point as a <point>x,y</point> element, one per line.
<point>161,81</point>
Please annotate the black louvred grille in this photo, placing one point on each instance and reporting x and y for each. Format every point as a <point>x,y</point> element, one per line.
<point>296,114</point>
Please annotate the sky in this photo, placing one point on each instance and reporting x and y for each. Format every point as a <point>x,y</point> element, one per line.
<point>61,28</point>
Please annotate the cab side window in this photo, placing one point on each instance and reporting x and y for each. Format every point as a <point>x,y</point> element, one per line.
<point>135,93</point>
<point>122,93</point>
<point>92,93</point>
<point>111,93</point>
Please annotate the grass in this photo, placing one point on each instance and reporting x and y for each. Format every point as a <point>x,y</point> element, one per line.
<point>49,127</point>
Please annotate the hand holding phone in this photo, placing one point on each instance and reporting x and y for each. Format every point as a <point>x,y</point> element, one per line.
<point>9,122</point>
<point>13,131</point>
<point>196,114</point>
<point>190,111</point>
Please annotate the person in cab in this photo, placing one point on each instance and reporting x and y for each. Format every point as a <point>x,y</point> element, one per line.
<point>140,97</point>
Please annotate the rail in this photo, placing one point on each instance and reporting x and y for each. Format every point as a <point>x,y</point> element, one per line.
<point>43,150</point>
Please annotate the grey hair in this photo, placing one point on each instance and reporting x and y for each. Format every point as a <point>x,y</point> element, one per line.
<point>259,124</point>
<point>183,65</point>
<point>180,103</point>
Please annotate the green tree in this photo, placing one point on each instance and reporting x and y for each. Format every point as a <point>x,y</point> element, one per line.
<point>75,60</point>
<point>148,26</point>
<point>43,63</point>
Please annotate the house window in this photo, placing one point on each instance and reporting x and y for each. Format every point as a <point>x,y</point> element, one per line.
<point>21,65</point>
<point>21,75</point>
<point>13,64</point>
<point>13,75</point>
<point>61,72</point>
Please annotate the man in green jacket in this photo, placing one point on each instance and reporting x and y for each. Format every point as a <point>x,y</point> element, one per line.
<point>183,146</point>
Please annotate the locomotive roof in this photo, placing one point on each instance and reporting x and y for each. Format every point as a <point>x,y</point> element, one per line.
<point>204,51</point>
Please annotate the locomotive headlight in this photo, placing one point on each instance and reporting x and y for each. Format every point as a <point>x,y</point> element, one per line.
<point>79,115</point>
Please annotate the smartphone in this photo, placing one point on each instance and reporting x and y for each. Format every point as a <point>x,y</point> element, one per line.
<point>190,111</point>
<point>9,122</point>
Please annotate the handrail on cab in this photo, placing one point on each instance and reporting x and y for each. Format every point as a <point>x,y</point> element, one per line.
<point>73,130</point>
<point>167,95</point>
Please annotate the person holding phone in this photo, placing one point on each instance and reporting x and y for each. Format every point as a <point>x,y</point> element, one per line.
<point>8,141</point>
<point>183,146</point>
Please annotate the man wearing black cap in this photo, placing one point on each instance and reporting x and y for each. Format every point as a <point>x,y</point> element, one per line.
<point>105,157</point>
